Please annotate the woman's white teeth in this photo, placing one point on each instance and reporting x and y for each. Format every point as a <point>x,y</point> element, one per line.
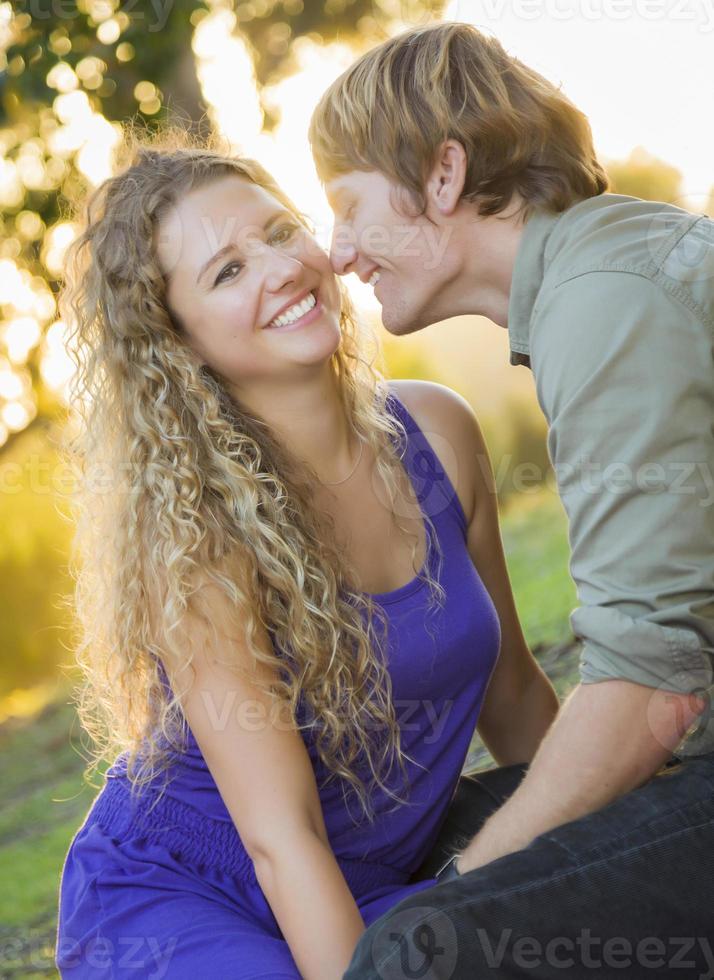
<point>294,313</point>
<point>374,278</point>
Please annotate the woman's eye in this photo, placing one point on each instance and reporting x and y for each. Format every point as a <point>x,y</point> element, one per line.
<point>219,277</point>
<point>289,229</point>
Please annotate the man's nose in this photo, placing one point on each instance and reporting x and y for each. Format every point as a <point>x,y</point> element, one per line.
<point>343,249</point>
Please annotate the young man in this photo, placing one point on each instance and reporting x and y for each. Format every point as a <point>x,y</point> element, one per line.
<point>464,182</point>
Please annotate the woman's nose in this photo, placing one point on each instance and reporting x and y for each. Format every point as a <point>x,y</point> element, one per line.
<point>281,269</point>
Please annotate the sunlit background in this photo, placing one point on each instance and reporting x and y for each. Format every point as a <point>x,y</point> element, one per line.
<point>643,72</point>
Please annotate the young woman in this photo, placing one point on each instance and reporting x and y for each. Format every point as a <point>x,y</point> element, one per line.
<point>291,605</point>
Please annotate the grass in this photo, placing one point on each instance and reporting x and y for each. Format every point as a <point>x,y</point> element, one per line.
<point>536,543</point>
<point>42,759</point>
<point>44,803</point>
<point>535,538</point>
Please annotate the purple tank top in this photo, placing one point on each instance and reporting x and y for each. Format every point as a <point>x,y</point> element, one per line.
<point>439,678</point>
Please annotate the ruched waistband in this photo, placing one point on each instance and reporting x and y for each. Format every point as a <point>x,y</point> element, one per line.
<point>199,841</point>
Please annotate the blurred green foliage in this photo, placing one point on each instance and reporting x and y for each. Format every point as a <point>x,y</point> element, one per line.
<point>34,546</point>
<point>643,175</point>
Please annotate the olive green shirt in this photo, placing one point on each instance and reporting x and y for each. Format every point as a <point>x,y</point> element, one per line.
<point>612,308</point>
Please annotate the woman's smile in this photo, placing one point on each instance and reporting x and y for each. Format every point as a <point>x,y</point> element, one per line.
<point>311,307</point>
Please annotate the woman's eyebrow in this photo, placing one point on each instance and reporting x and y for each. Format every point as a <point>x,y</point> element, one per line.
<point>230,246</point>
<point>214,258</point>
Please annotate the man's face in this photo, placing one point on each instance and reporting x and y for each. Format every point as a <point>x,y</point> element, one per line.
<point>378,236</point>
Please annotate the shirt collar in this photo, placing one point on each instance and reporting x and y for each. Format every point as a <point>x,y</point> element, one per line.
<point>528,271</point>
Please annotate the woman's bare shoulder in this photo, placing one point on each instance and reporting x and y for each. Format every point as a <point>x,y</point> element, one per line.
<point>450,424</point>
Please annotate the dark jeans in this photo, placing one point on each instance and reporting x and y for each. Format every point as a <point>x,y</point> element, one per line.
<point>626,891</point>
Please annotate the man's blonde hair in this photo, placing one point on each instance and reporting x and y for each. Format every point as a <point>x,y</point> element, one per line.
<point>393,108</point>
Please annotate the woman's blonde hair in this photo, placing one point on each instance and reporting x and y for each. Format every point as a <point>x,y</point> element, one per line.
<point>392,109</point>
<point>178,484</point>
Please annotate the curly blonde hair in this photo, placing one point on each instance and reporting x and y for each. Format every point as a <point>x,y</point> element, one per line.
<point>198,487</point>
<point>394,106</point>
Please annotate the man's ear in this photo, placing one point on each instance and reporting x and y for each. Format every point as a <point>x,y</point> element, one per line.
<point>445,183</point>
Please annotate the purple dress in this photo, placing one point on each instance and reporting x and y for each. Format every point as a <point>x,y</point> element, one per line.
<point>171,891</point>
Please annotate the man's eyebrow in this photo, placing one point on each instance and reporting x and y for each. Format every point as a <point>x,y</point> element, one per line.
<point>282,213</point>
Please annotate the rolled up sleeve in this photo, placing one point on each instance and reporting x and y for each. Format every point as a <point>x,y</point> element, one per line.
<point>625,377</point>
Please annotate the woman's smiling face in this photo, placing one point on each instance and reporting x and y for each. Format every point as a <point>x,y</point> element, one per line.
<point>235,262</point>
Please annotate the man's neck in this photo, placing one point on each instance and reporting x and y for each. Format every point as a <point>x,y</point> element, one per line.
<point>489,247</point>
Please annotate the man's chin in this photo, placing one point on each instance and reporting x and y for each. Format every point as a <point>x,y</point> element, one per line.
<point>400,325</point>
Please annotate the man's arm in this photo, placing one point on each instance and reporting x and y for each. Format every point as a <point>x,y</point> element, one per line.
<point>624,375</point>
<point>600,746</point>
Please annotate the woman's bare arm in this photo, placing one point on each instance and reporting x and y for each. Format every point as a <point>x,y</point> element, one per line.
<point>265,777</point>
<point>520,702</point>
